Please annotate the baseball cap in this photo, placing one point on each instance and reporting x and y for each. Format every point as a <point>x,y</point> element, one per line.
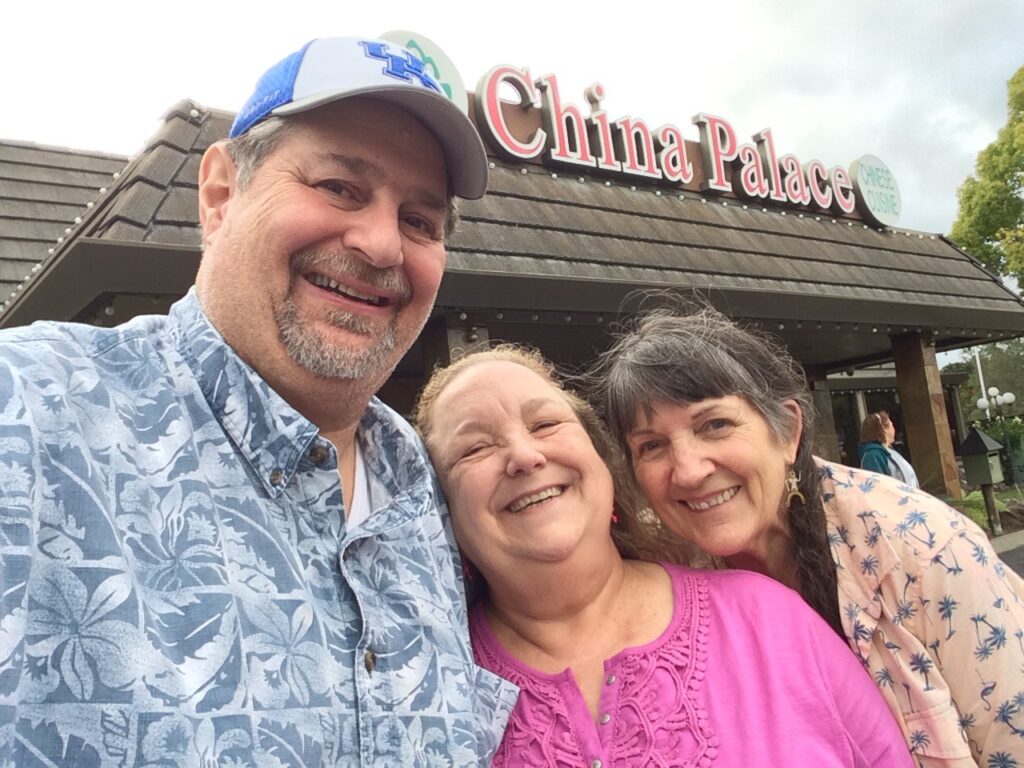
<point>332,68</point>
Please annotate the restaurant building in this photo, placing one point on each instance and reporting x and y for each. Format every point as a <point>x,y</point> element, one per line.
<point>583,209</point>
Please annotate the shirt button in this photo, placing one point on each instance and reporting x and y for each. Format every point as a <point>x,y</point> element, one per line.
<point>610,680</point>
<point>370,660</point>
<point>318,454</point>
<point>276,477</point>
<point>606,718</point>
<point>595,763</point>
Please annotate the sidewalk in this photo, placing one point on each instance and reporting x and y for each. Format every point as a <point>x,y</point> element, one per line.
<point>1011,549</point>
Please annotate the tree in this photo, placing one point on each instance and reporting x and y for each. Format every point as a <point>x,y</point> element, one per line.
<point>1003,366</point>
<point>990,223</point>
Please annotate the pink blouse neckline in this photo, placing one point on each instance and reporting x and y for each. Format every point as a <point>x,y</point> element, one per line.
<point>486,634</point>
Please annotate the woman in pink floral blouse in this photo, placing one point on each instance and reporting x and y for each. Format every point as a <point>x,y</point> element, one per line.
<point>913,586</point>
<point>623,662</point>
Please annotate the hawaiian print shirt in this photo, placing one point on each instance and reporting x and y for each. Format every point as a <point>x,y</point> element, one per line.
<point>178,586</point>
<point>934,615</point>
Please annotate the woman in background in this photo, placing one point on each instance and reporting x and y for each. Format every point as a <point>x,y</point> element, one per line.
<point>623,662</point>
<point>877,454</point>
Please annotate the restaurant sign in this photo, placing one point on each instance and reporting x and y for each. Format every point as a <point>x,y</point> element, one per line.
<point>629,147</point>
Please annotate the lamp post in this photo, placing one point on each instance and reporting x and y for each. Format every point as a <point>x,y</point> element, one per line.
<point>997,401</point>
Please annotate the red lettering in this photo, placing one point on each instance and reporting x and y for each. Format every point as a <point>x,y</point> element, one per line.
<point>817,178</point>
<point>766,149</point>
<point>633,139</point>
<point>753,185</point>
<point>488,105</point>
<point>565,145</point>
<point>600,131</point>
<point>795,184</point>
<point>842,191</point>
<point>717,147</point>
<point>671,154</point>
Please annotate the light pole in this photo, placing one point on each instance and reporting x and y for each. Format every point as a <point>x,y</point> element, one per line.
<point>998,400</point>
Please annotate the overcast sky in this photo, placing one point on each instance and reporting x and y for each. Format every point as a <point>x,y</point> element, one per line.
<point>922,85</point>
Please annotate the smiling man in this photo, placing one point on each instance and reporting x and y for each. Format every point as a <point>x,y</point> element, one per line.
<point>216,546</point>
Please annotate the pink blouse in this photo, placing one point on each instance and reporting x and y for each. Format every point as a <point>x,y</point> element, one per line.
<point>745,675</point>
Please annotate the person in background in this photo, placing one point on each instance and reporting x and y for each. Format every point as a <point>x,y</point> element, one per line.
<point>217,547</point>
<point>877,454</point>
<point>622,661</point>
<point>718,425</point>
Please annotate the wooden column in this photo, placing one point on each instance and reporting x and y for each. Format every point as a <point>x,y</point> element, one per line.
<point>826,442</point>
<point>924,415</point>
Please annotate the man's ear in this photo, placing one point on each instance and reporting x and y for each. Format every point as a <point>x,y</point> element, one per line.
<point>796,429</point>
<point>217,185</point>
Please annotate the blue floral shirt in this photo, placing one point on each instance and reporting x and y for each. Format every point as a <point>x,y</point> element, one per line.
<point>177,582</point>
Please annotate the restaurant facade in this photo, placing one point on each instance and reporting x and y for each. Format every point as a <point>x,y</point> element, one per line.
<point>584,209</point>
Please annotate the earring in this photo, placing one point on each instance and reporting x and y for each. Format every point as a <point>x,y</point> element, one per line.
<point>793,487</point>
<point>615,517</point>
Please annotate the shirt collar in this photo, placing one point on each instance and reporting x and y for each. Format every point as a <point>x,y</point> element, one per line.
<point>396,462</point>
<point>266,430</point>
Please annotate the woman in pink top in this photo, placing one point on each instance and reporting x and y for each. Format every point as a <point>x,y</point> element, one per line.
<point>623,662</point>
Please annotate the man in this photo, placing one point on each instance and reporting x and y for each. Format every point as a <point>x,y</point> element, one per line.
<point>215,546</point>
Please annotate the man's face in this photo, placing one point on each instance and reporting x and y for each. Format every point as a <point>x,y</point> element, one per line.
<point>328,262</point>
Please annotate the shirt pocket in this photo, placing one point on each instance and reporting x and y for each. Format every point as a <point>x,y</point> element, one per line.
<point>936,733</point>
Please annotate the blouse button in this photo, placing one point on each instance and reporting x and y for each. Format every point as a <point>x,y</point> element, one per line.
<point>606,718</point>
<point>610,680</point>
<point>595,763</point>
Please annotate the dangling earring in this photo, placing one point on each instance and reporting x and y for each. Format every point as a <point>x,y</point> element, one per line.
<point>793,487</point>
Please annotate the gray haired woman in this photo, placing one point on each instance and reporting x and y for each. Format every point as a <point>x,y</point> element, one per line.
<point>717,423</point>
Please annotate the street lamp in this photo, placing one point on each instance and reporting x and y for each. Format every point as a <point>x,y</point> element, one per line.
<point>998,400</point>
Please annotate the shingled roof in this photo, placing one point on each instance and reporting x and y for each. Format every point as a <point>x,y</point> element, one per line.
<point>42,190</point>
<point>582,242</point>
<point>155,200</point>
<point>150,207</point>
<point>834,289</point>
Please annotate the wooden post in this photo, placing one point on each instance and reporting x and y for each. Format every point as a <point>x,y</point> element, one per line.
<point>993,512</point>
<point>924,415</point>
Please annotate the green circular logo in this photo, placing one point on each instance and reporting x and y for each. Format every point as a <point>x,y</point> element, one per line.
<point>878,195</point>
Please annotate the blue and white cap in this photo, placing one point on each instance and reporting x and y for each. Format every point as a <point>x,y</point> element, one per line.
<point>333,68</point>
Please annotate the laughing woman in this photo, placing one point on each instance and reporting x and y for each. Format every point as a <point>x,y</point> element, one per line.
<point>622,662</point>
<point>718,426</point>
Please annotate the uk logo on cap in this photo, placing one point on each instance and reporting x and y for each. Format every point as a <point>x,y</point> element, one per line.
<point>330,69</point>
<point>402,67</point>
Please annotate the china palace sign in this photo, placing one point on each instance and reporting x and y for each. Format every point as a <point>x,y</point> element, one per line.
<point>629,147</point>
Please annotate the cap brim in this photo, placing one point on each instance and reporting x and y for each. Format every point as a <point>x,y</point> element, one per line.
<point>464,152</point>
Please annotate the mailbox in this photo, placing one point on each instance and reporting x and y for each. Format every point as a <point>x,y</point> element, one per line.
<point>980,454</point>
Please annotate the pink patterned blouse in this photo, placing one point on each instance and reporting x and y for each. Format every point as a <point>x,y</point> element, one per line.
<point>745,675</point>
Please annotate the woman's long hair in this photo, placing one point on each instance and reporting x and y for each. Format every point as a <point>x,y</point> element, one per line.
<point>684,354</point>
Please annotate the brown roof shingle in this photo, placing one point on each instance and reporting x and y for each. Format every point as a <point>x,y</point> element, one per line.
<point>42,190</point>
